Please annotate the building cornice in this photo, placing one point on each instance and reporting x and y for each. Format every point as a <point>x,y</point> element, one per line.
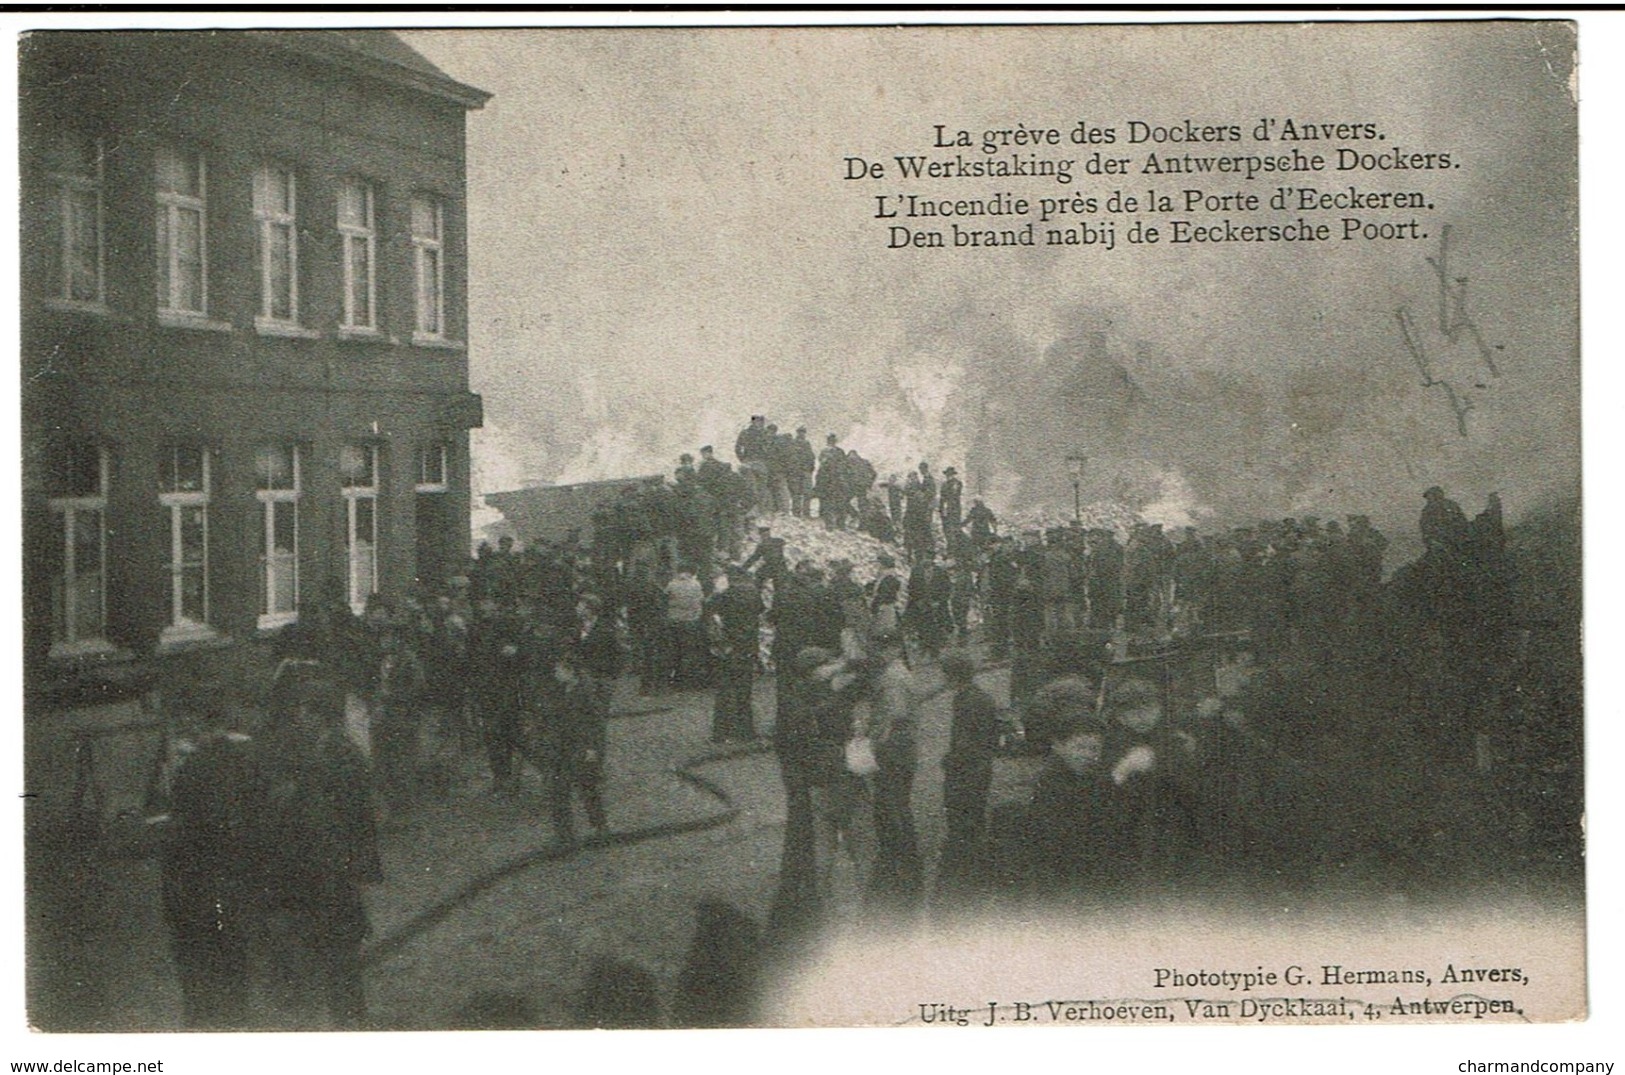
<point>322,45</point>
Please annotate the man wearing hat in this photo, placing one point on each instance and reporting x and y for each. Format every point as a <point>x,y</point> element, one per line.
<point>803,462</point>
<point>735,618</point>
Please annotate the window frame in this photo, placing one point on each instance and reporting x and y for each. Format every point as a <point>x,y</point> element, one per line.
<point>423,484</point>
<point>350,234</point>
<point>62,185</point>
<point>422,246</point>
<point>352,494</point>
<point>175,502</point>
<point>65,639</point>
<point>269,217</point>
<point>170,204</point>
<point>271,501</point>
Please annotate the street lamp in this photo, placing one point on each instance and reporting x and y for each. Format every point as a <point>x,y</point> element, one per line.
<point>1074,466</point>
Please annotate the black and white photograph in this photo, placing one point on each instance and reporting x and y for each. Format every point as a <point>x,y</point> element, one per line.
<point>661,527</point>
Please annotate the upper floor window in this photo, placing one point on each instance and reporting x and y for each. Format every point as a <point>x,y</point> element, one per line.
<point>276,220</point>
<point>182,247</point>
<point>428,236</point>
<point>359,235</point>
<point>75,176</point>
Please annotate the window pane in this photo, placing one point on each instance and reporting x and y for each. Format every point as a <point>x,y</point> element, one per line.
<point>189,259</point>
<point>87,580</point>
<point>355,210</point>
<point>433,469</point>
<point>279,585</point>
<point>283,526</point>
<point>194,533</point>
<point>425,218</point>
<point>364,518</point>
<point>360,282</point>
<point>82,232</point>
<point>356,466</point>
<point>183,470</point>
<point>273,466</point>
<point>165,239</point>
<point>194,608</point>
<point>274,191</point>
<point>179,173</point>
<point>81,471</point>
<point>192,565</point>
<point>363,566</point>
<point>429,292</point>
<point>280,267</point>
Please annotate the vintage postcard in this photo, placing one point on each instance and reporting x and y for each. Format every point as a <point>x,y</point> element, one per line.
<point>823,526</point>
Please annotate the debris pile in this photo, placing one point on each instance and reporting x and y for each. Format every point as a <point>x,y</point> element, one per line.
<point>806,539</point>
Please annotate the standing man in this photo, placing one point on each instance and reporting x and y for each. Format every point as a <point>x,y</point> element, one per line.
<point>928,488</point>
<point>752,447</point>
<point>831,484</point>
<point>891,726</point>
<point>321,844</point>
<point>209,873</point>
<point>736,631</point>
<point>596,663</point>
<point>780,468</point>
<point>982,524</point>
<point>917,519</point>
<point>803,461</point>
<point>685,634</point>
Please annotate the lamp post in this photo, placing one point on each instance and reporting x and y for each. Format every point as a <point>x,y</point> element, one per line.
<point>1074,466</point>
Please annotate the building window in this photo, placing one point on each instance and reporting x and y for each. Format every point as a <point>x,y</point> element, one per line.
<point>78,587</point>
<point>429,258</point>
<point>436,544</point>
<point>76,201</point>
<point>358,471</point>
<point>184,484</point>
<point>432,468</point>
<point>275,217</point>
<point>360,240</point>
<point>276,468</point>
<point>183,263</point>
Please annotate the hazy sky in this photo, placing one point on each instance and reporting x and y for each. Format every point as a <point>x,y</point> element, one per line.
<point>663,244</point>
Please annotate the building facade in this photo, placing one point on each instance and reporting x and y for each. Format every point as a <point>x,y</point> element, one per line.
<point>244,333</point>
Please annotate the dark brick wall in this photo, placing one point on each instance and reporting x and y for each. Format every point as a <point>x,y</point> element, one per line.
<point>120,378</point>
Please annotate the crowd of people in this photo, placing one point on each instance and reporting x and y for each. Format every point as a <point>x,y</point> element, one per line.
<point>1150,772</point>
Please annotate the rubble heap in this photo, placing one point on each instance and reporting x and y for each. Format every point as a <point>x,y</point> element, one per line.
<point>806,539</point>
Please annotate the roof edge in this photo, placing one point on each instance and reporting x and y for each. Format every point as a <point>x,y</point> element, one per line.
<point>315,44</point>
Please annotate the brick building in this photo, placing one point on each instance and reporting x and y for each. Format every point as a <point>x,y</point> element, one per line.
<point>244,333</point>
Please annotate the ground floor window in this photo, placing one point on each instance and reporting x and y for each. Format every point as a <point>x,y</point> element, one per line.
<point>277,490</point>
<point>434,560</point>
<point>78,586</point>
<point>184,493</point>
<point>358,470</point>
